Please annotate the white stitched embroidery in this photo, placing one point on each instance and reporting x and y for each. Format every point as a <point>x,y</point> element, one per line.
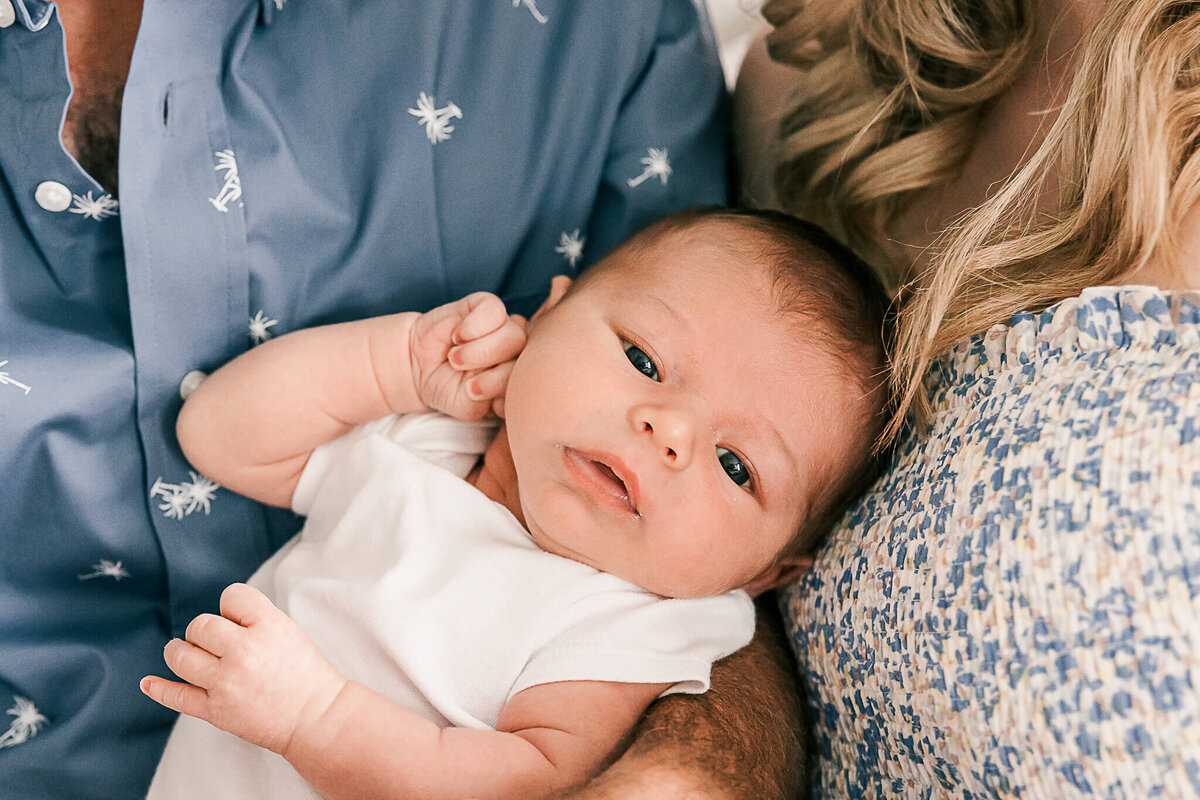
<point>106,569</point>
<point>231,190</point>
<point>27,723</point>
<point>5,380</point>
<point>533,9</point>
<point>436,120</point>
<point>182,499</point>
<point>259,324</point>
<point>570,245</point>
<point>99,208</point>
<point>656,166</point>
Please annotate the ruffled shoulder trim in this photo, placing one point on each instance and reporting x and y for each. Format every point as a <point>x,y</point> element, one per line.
<point>1102,318</point>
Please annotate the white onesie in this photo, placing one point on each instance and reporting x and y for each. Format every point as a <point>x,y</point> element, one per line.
<point>415,584</point>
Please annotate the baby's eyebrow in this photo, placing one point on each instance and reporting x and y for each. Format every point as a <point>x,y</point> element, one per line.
<point>675,315</point>
<point>782,445</point>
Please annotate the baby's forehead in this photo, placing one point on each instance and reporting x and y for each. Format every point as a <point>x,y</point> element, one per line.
<point>742,250</point>
<point>736,238</point>
<point>708,251</point>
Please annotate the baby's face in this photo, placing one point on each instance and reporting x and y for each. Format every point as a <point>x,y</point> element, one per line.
<point>667,427</point>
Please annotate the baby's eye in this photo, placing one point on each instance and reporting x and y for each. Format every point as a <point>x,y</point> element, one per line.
<point>640,361</point>
<point>734,468</point>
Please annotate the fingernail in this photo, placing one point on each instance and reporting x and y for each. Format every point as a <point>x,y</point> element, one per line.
<point>456,357</point>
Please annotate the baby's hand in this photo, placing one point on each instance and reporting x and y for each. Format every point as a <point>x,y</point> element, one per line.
<point>462,354</point>
<point>251,672</point>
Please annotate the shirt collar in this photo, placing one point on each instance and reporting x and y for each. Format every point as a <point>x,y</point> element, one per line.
<point>33,14</point>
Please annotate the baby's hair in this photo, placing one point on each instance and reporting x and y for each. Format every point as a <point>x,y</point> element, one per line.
<point>842,306</point>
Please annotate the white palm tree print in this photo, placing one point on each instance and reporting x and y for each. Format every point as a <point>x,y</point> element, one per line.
<point>436,120</point>
<point>656,166</point>
<point>181,499</point>
<point>259,324</point>
<point>570,246</point>
<point>6,380</point>
<point>231,190</point>
<point>174,505</point>
<point>199,492</point>
<point>106,569</point>
<point>533,9</point>
<point>27,723</point>
<point>102,207</point>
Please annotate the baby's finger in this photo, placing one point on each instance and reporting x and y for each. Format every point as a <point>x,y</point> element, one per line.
<point>217,635</point>
<point>181,697</point>
<point>495,348</point>
<point>245,605</point>
<point>483,313</point>
<point>490,383</point>
<point>193,664</point>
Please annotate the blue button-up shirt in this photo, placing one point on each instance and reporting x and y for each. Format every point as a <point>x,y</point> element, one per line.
<point>282,164</point>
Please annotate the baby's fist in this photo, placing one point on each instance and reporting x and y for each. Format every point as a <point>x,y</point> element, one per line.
<point>462,354</point>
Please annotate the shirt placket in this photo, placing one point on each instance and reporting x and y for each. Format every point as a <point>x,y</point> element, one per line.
<point>188,275</point>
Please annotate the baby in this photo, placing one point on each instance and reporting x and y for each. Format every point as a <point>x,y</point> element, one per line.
<point>484,610</point>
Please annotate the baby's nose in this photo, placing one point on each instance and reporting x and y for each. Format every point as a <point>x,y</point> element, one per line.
<point>670,430</point>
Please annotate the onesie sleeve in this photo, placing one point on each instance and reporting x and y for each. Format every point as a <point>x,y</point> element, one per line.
<point>326,457</point>
<point>632,636</point>
<point>668,146</point>
<point>451,444</point>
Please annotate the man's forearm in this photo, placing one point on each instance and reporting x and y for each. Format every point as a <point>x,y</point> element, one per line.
<point>745,739</point>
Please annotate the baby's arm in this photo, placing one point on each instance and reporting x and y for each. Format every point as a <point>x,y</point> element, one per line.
<point>254,673</point>
<point>548,737</point>
<point>253,424</point>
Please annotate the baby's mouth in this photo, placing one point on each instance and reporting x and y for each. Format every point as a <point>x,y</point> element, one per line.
<point>606,471</point>
<point>602,481</point>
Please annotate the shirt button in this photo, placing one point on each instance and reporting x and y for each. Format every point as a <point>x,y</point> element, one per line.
<point>52,195</point>
<point>7,15</point>
<point>191,382</point>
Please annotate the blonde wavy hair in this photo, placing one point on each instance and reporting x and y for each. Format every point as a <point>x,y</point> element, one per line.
<point>1125,152</point>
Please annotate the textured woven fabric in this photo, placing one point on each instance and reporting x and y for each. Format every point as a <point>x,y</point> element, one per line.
<point>1012,610</point>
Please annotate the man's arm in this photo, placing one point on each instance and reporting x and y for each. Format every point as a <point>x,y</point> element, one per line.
<point>747,738</point>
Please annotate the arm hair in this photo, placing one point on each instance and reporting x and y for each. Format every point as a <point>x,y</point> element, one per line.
<point>747,738</point>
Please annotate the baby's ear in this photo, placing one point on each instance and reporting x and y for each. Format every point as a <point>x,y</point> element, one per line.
<point>782,572</point>
<point>558,287</point>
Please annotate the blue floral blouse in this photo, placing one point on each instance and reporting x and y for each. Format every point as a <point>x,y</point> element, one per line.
<point>1013,610</point>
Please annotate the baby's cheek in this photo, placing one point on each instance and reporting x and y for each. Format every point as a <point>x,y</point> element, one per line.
<point>697,562</point>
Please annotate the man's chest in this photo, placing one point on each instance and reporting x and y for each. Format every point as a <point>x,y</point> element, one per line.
<point>99,37</point>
